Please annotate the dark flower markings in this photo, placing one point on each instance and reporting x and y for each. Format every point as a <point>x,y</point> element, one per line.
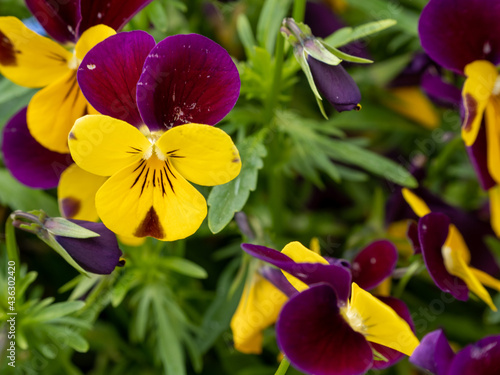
<point>470,111</point>
<point>70,206</point>
<point>7,51</point>
<point>163,171</point>
<point>150,226</point>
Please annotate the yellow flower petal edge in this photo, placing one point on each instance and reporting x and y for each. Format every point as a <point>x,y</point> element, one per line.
<point>492,124</point>
<point>103,145</point>
<point>416,203</point>
<point>90,38</point>
<point>494,194</point>
<point>455,241</point>
<point>478,87</point>
<point>378,322</point>
<point>258,309</point>
<point>300,254</point>
<point>150,198</point>
<point>76,193</point>
<point>202,154</point>
<point>29,59</point>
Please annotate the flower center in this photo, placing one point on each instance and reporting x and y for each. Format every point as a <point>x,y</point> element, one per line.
<point>496,87</point>
<point>152,137</point>
<point>74,63</point>
<point>354,319</point>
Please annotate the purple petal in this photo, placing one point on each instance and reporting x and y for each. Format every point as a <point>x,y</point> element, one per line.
<point>98,254</point>
<point>374,264</point>
<point>441,92</point>
<point>113,13</point>
<point>187,79</point>
<point>456,32</point>
<point>481,358</point>
<point>109,73</point>
<point>335,84</point>
<point>315,337</point>
<point>412,73</point>
<point>276,277</point>
<point>478,154</point>
<point>412,234</point>
<point>392,355</point>
<point>321,19</point>
<point>433,231</point>
<point>28,161</point>
<point>434,353</point>
<point>58,18</point>
<point>338,277</point>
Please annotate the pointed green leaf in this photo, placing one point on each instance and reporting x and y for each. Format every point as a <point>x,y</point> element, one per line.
<point>60,226</point>
<point>346,35</point>
<point>184,267</point>
<point>269,23</point>
<point>347,57</point>
<point>58,310</point>
<point>245,34</point>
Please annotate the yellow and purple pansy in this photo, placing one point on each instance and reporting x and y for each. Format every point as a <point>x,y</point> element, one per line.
<point>158,102</point>
<point>464,37</point>
<point>330,325</point>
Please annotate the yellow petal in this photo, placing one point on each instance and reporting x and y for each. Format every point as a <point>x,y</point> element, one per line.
<point>150,198</point>
<point>132,241</point>
<point>417,204</point>
<point>90,38</point>
<point>76,193</point>
<point>455,241</point>
<point>300,254</point>
<point>202,154</point>
<point>258,309</point>
<point>486,279</point>
<point>103,145</point>
<point>379,322</point>
<point>396,232</point>
<point>494,194</point>
<point>456,266</point>
<point>412,103</point>
<point>314,245</point>
<point>29,59</point>
<point>493,137</point>
<point>384,288</point>
<point>478,87</point>
<point>53,110</point>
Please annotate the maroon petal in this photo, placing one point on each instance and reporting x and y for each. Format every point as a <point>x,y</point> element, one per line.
<point>374,264</point>
<point>98,254</point>
<point>113,13</point>
<point>441,92</point>
<point>109,73</point>
<point>58,18</point>
<point>315,337</point>
<point>456,32</point>
<point>392,355</point>
<point>28,161</point>
<point>481,358</point>
<point>335,84</point>
<point>478,155</point>
<point>187,78</point>
<point>338,277</point>
<point>432,232</point>
<point>434,353</point>
<point>412,234</point>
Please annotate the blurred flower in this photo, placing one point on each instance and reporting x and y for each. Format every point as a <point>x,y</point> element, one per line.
<point>435,355</point>
<point>322,328</point>
<point>87,246</point>
<point>469,44</point>
<point>447,256</point>
<point>185,80</point>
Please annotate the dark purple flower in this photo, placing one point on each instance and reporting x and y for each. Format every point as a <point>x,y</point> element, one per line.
<point>434,353</point>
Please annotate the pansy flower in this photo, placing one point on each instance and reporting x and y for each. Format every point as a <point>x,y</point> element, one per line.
<point>435,355</point>
<point>446,254</point>
<point>464,37</point>
<point>332,326</point>
<point>145,91</point>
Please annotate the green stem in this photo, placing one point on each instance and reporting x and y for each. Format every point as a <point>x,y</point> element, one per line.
<point>412,270</point>
<point>299,9</point>
<point>274,91</point>
<point>283,367</point>
<point>10,241</point>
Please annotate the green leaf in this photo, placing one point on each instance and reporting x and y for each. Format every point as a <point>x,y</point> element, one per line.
<point>269,24</point>
<point>184,267</point>
<point>245,34</point>
<point>225,200</point>
<point>19,197</point>
<point>346,35</point>
<point>58,310</point>
<point>60,226</point>
<point>347,57</point>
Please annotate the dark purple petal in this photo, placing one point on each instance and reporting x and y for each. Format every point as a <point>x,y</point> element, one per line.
<point>374,264</point>
<point>434,353</point>
<point>456,32</point>
<point>432,232</point>
<point>441,92</point>
<point>28,161</point>
<point>321,19</point>
<point>58,18</point>
<point>412,234</point>
<point>276,277</point>
<point>109,73</point>
<point>481,358</point>
<point>392,355</point>
<point>412,73</point>
<point>338,277</point>
<point>478,154</point>
<point>315,337</point>
<point>113,13</point>
<point>187,79</point>
<point>335,84</point>
<point>98,254</point>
